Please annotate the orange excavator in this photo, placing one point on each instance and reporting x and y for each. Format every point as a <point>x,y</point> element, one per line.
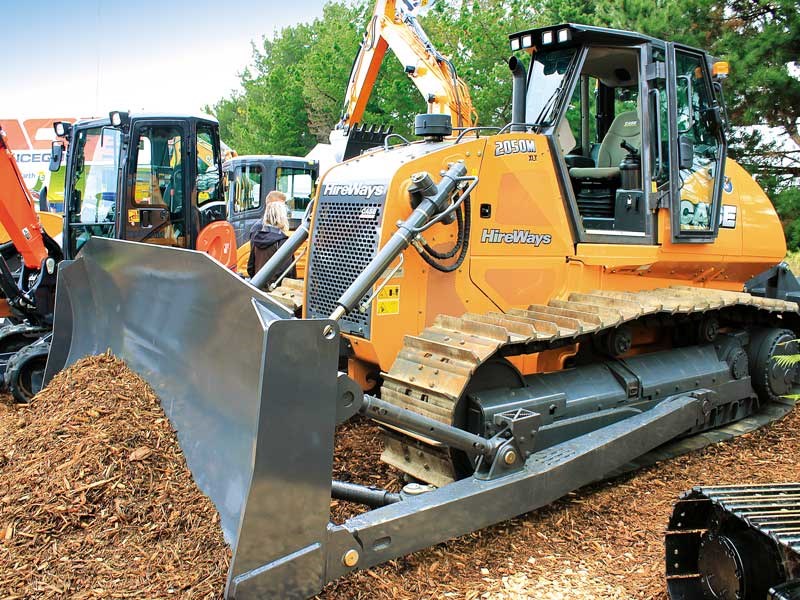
<point>145,178</point>
<point>394,26</point>
<point>29,291</point>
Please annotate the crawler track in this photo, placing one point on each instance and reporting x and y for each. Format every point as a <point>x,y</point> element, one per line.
<point>433,370</point>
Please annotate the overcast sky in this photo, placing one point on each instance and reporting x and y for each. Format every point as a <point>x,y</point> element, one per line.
<point>83,58</point>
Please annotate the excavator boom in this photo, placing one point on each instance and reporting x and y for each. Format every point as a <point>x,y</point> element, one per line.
<point>394,26</point>
<point>17,213</point>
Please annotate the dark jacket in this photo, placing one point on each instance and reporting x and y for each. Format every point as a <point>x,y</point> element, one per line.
<point>264,242</point>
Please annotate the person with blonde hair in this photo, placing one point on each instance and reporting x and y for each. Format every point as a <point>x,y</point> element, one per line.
<point>268,235</point>
<point>277,211</point>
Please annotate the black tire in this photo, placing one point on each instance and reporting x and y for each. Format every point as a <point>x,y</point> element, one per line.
<point>14,338</point>
<point>770,380</point>
<point>25,370</point>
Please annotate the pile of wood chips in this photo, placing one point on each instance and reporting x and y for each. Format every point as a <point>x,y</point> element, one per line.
<point>96,500</point>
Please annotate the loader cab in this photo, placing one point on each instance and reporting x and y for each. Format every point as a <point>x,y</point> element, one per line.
<point>635,124</point>
<point>248,180</point>
<point>143,178</point>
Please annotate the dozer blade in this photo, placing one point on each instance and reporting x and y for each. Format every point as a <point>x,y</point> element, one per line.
<point>233,371</point>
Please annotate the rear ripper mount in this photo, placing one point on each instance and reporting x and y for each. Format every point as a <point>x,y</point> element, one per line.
<point>735,542</point>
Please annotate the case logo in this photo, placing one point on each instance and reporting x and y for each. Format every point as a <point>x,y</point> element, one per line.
<point>368,213</point>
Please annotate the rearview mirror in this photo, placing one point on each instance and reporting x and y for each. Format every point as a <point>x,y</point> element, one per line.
<point>685,152</point>
<point>722,110</point>
<point>56,153</point>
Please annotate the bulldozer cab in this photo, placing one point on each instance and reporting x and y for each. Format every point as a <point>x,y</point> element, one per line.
<point>636,124</point>
<point>153,179</point>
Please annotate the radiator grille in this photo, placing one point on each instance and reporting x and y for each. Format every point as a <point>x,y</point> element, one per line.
<point>342,244</point>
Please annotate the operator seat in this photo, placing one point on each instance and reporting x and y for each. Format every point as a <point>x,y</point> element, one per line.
<point>626,127</point>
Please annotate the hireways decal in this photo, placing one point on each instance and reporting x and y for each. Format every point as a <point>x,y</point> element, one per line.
<point>353,189</point>
<point>517,236</point>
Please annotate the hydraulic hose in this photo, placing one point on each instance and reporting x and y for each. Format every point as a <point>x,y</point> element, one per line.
<point>430,205</point>
<point>462,243</point>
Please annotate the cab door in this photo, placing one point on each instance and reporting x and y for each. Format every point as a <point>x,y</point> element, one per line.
<point>698,147</point>
<point>156,180</point>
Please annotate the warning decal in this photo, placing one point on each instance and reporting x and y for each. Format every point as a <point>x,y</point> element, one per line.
<point>389,300</point>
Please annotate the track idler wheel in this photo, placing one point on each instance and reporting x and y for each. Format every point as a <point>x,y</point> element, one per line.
<point>708,329</point>
<point>771,379</point>
<point>25,370</point>
<point>736,565</point>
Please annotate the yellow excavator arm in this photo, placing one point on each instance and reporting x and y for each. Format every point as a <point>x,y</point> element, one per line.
<point>394,25</point>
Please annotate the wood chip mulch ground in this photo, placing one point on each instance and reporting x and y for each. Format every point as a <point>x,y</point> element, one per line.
<point>603,542</point>
<point>96,500</point>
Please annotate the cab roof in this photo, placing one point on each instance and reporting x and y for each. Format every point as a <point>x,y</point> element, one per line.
<point>99,122</point>
<point>571,34</point>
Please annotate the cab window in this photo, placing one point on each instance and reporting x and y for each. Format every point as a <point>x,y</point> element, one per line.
<point>600,138</point>
<point>208,161</point>
<point>298,185</point>
<point>246,188</point>
<point>698,143</point>
<point>159,164</point>
<point>94,185</point>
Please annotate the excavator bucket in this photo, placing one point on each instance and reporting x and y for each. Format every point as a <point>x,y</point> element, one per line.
<point>354,140</point>
<point>232,369</point>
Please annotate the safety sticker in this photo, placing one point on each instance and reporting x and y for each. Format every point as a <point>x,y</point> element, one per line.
<point>389,300</point>
<point>133,216</point>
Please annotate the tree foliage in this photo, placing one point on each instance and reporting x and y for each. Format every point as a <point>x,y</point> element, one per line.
<point>292,93</point>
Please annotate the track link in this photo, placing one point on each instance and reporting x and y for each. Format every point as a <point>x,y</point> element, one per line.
<point>433,369</point>
<point>289,293</point>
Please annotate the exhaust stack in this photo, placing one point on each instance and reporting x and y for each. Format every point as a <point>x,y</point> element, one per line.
<point>517,93</point>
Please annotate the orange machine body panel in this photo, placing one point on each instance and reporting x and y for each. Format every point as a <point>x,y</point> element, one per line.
<point>525,251</point>
<point>218,239</point>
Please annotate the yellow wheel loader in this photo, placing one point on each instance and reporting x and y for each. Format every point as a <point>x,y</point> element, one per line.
<point>524,310</point>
